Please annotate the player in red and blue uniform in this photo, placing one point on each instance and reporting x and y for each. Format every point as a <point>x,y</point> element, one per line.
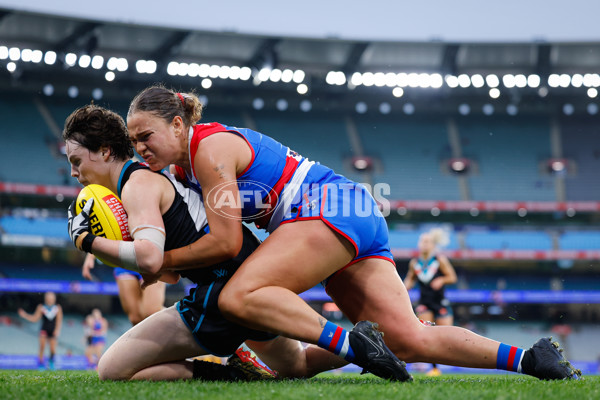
<point>323,227</point>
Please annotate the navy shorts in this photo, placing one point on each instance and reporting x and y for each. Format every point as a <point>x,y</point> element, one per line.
<point>200,312</point>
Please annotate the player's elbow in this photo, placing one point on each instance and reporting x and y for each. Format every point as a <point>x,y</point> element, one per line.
<point>148,257</point>
<point>230,247</point>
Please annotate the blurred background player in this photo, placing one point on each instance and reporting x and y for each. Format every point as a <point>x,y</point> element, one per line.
<point>432,271</point>
<point>137,303</point>
<point>51,315</point>
<point>87,338</point>
<point>98,326</point>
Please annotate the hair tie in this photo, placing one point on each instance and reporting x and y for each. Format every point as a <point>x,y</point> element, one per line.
<point>182,99</point>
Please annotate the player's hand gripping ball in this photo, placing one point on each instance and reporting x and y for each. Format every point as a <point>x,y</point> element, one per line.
<point>105,217</point>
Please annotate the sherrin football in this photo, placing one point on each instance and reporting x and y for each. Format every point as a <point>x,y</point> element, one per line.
<point>108,217</point>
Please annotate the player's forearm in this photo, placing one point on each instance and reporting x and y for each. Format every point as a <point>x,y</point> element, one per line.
<point>206,251</point>
<point>139,255</point>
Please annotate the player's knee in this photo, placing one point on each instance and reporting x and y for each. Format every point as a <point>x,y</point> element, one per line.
<point>410,345</point>
<point>231,302</point>
<point>111,370</point>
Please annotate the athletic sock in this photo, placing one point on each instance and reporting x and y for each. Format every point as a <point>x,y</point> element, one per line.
<point>336,339</point>
<point>509,358</point>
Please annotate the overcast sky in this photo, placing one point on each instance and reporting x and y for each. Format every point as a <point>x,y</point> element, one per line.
<point>397,20</point>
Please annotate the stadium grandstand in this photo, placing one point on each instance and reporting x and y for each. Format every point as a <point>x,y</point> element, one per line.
<point>496,142</point>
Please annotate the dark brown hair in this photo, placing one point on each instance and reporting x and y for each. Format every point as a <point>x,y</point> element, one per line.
<point>167,104</point>
<point>94,127</point>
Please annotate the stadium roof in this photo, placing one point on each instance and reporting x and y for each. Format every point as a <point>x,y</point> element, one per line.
<point>565,64</point>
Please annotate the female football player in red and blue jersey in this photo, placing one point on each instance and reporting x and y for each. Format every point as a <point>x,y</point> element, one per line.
<point>323,227</point>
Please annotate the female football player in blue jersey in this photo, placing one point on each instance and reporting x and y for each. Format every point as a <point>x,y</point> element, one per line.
<point>136,303</point>
<point>323,227</point>
<point>51,315</point>
<point>164,214</point>
<point>432,271</point>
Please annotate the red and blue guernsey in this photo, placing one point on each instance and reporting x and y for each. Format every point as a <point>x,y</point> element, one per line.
<point>280,186</point>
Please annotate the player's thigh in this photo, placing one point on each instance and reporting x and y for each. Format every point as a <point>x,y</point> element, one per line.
<point>372,290</point>
<point>153,298</point>
<point>160,338</point>
<point>295,256</point>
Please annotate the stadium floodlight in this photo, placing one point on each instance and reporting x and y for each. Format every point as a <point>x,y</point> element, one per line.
<point>85,61</point>
<point>71,59</point>
<point>413,80</point>
<point>172,67</point>
<point>214,71</point>
<point>533,81</point>
<point>568,109</point>
<point>520,81</point>
<point>140,66</point>
<point>340,78</point>
<point>14,53</point>
<point>464,109</point>
<point>97,62</point>
<point>305,105</point>
<point>391,79</point>
<point>258,103</point>
<point>508,81</point>
<point>112,63</point>
<point>385,108</point>
<point>302,88</point>
<point>193,71</point>
<point>492,80</point>
<point>48,89</point>
<point>361,107</point>
<point>11,67</point>
<point>554,80</point>
<point>73,91</point>
<point>235,72</point>
<point>183,68</point>
<point>592,92</point>
<point>224,72</point>
<point>368,79</point>
<point>564,80</point>
<point>97,94</point>
<point>379,79</point>
<point>36,56</point>
<point>494,93</point>
<point>330,78</point>
<point>275,75</point>
<point>512,110</point>
<point>50,57</point>
<point>264,74</point>
<point>245,73</point>
<point>408,109</point>
<point>477,81</point>
<point>488,109</point>
<point>402,79</point>
<point>281,104</point>
<point>424,80</point>
<point>451,81</point>
<point>204,70</point>
<point>26,55</point>
<point>592,108</point>
<point>109,76</point>
<point>543,92</point>
<point>577,80</point>
<point>436,81</point>
<point>122,64</point>
<point>151,66</point>
<point>287,75</point>
<point>206,83</point>
<point>398,92</point>
<point>3,52</point>
<point>299,76</point>
<point>464,81</point>
<point>588,80</point>
<point>356,79</point>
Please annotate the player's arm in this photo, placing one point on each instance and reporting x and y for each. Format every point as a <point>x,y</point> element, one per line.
<point>216,163</point>
<point>88,265</point>
<point>141,199</point>
<point>59,320</point>
<point>409,281</point>
<point>35,317</point>
<point>448,274</point>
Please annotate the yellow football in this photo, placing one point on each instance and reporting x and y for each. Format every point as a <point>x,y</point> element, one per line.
<point>108,217</point>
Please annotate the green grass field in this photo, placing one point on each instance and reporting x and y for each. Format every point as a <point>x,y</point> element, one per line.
<point>80,385</point>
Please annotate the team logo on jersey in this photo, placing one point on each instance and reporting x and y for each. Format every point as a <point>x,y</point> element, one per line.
<point>220,273</point>
<point>255,198</point>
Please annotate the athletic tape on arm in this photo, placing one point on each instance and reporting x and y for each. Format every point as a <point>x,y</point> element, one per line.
<point>153,234</point>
